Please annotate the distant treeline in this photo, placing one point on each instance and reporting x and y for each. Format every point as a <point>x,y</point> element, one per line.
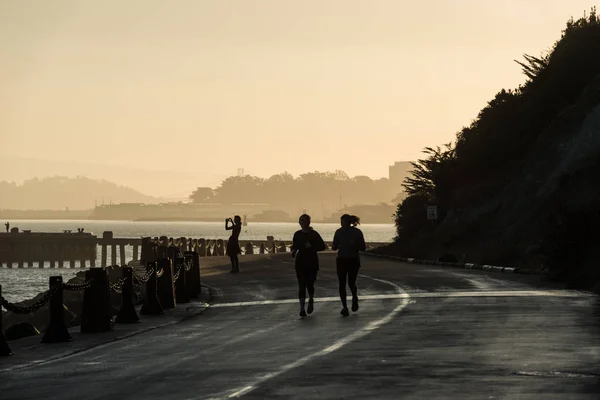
<point>320,193</point>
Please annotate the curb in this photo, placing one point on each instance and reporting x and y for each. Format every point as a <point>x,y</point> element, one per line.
<point>483,267</point>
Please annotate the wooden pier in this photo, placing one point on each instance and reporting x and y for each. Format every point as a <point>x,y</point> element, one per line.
<point>27,248</point>
<point>78,250</point>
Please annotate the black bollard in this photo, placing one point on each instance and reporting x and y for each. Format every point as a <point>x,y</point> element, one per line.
<point>4,349</point>
<point>148,251</point>
<point>202,247</point>
<point>166,289</point>
<point>220,248</point>
<point>151,304</point>
<point>57,328</point>
<point>181,294</point>
<point>192,277</point>
<point>127,313</point>
<point>249,248</point>
<point>172,254</point>
<point>96,313</point>
<point>162,252</point>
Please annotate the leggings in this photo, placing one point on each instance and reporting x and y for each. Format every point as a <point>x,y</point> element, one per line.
<point>347,267</point>
<point>306,281</point>
<point>235,262</point>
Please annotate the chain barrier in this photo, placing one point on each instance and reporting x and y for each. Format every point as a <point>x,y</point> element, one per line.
<point>188,265</point>
<point>117,287</point>
<point>143,279</point>
<point>160,273</point>
<point>78,286</point>
<point>176,276</point>
<point>30,308</point>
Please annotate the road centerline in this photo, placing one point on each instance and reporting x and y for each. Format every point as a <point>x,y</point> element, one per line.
<point>240,391</point>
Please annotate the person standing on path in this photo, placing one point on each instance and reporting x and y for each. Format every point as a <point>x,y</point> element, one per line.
<point>233,245</point>
<point>348,241</point>
<point>306,243</point>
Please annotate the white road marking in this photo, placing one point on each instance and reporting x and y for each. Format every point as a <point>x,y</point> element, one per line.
<point>401,294</point>
<point>393,296</point>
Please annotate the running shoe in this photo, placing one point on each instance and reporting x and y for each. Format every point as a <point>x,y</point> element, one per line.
<point>355,304</point>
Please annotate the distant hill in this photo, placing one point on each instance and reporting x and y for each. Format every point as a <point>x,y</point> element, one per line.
<point>59,193</point>
<point>156,182</point>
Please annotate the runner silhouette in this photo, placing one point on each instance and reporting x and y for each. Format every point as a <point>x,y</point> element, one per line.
<point>306,243</point>
<point>349,241</point>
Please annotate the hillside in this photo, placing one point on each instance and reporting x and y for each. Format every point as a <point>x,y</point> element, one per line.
<point>59,193</point>
<point>519,185</point>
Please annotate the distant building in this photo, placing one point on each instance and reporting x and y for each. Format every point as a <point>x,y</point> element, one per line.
<point>397,173</point>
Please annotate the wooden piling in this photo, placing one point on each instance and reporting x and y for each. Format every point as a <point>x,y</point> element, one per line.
<point>72,260</point>
<point>122,254</point>
<point>113,254</point>
<point>104,256</point>
<point>135,252</point>
<point>107,236</point>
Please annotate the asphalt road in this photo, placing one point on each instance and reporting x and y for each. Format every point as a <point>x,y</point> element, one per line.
<point>421,333</point>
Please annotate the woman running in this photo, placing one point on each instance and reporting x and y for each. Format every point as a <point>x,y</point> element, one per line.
<point>348,240</point>
<point>233,245</point>
<point>305,245</point>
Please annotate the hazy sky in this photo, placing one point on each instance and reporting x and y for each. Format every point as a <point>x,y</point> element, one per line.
<point>209,86</point>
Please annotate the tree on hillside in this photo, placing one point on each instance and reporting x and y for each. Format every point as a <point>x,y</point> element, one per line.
<point>432,176</point>
<point>201,195</point>
<point>489,151</point>
<point>533,66</point>
<point>241,189</point>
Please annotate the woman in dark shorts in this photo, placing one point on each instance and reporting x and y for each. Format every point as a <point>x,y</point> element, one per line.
<point>305,245</point>
<point>349,241</point>
<point>233,245</point>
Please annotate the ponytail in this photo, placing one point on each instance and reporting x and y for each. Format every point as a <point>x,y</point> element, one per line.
<point>352,219</point>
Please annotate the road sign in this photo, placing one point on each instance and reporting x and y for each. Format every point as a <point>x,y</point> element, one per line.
<point>432,212</point>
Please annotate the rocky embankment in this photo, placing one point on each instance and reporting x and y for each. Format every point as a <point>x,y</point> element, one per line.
<point>21,325</point>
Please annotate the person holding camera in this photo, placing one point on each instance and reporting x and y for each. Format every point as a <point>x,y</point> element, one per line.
<point>233,245</point>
